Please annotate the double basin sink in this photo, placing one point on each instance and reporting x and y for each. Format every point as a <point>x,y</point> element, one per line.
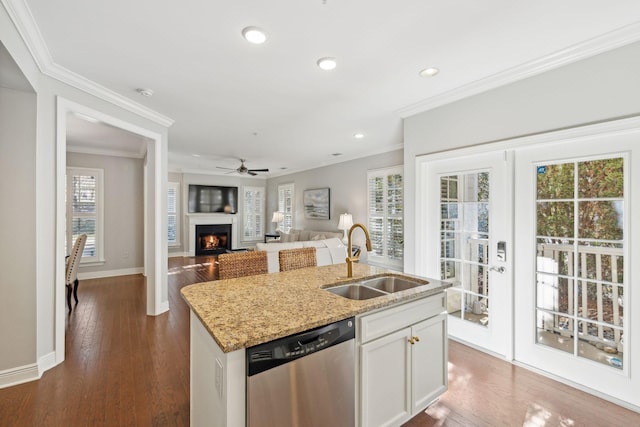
<point>376,287</point>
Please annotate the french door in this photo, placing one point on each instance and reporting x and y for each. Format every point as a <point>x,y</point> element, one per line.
<point>574,304</point>
<point>465,238</point>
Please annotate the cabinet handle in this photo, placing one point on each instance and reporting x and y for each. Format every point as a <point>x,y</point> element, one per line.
<point>411,341</point>
<point>416,339</point>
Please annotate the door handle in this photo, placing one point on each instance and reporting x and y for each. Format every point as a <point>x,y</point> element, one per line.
<point>498,269</point>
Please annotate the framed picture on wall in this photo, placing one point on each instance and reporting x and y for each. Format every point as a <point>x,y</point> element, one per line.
<point>316,203</point>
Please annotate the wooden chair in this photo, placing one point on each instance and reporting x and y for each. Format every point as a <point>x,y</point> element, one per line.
<point>71,270</point>
<point>241,264</point>
<point>292,259</point>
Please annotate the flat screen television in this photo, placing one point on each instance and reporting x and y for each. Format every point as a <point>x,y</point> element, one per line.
<point>212,198</point>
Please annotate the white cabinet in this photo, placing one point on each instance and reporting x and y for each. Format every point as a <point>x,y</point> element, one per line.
<point>402,371</point>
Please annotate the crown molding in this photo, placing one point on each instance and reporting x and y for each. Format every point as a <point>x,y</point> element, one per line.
<point>600,44</point>
<point>26,25</point>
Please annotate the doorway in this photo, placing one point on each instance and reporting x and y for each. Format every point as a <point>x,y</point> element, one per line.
<point>562,203</point>
<point>155,219</point>
<point>468,231</point>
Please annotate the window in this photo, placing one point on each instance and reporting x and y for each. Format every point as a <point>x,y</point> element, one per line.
<point>85,211</point>
<point>286,194</point>
<point>253,209</point>
<point>386,220</point>
<point>173,213</point>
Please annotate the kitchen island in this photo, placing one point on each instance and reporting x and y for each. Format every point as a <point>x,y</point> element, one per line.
<point>231,315</point>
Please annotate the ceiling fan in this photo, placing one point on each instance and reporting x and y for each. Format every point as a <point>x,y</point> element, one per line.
<point>243,170</point>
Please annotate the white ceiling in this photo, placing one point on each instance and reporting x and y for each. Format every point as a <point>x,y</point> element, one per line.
<point>270,103</point>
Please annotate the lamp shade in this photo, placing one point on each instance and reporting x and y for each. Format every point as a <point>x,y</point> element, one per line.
<point>346,221</point>
<point>277,216</point>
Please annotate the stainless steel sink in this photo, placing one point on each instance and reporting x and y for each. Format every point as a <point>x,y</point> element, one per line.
<point>355,291</point>
<point>376,287</point>
<point>391,284</point>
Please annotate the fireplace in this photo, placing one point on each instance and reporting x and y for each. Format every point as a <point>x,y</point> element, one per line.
<point>212,239</point>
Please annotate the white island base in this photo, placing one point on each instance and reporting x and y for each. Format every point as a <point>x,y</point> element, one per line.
<point>401,367</point>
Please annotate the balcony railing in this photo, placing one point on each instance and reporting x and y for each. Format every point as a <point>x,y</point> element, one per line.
<point>598,305</point>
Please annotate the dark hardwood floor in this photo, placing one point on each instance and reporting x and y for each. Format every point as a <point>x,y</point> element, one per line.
<point>124,368</point>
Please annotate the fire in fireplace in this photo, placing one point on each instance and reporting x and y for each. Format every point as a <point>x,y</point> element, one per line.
<point>213,239</point>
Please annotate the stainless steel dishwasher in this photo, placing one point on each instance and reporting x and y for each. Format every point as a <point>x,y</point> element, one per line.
<point>306,379</point>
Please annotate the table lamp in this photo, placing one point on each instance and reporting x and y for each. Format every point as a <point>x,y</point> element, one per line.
<point>345,223</point>
<point>278,217</point>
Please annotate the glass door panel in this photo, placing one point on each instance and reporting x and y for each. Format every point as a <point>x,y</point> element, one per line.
<point>459,238</point>
<point>580,258</point>
<point>464,231</point>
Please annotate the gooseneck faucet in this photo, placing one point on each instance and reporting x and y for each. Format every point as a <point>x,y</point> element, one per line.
<point>354,258</point>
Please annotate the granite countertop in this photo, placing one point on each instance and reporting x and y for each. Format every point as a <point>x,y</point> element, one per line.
<point>243,312</point>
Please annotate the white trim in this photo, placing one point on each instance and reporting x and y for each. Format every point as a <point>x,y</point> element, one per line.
<point>578,386</point>
<point>603,43</point>
<point>104,152</point>
<point>619,126</point>
<point>155,238</point>
<point>110,273</point>
<point>178,254</point>
<point>19,375</point>
<point>26,25</point>
<point>46,362</point>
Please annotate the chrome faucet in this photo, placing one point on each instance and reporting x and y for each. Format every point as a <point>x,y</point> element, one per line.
<point>354,258</point>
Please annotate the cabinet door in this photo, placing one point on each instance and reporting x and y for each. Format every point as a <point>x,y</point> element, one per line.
<point>385,380</point>
<point>429,361</point>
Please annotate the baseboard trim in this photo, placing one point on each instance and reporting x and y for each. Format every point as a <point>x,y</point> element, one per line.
<point>578,386</point>
<point>178,254</point>
<point>46,362</point>
<point>549,375</point>
<point>19,375</point>
<point>110,273</point>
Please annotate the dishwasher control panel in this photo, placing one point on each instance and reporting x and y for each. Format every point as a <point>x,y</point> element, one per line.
<point>275,353</point>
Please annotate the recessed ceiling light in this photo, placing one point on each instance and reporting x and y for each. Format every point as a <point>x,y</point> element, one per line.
<point>429,72</point>
<point>145,92</point>
<point>327,63</point>
<point>254,35</point>
<point>358,135</point>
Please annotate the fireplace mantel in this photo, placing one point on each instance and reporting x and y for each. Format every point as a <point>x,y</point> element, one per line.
<point>204,219</point>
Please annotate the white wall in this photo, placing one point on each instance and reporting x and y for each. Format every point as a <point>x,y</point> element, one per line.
<point>17,228</point>
<point>596,89</point>
<point>347,182</point>
<point>123,212</point>
<point>45,267</point>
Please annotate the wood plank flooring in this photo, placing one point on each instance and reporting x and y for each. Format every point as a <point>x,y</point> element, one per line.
<point>124,368</point>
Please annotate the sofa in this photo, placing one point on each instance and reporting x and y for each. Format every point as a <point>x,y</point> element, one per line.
<point>328,251</point>
<point>297,235</point>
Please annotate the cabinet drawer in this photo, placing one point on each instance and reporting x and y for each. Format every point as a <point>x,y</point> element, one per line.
<point>388,320</point>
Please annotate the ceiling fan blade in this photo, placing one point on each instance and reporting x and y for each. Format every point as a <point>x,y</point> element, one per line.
<point>252,173</point>
<point>230,169</point>
<point>258,170</point>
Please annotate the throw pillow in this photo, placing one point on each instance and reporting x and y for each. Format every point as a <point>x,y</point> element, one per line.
<point>318,237</point>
